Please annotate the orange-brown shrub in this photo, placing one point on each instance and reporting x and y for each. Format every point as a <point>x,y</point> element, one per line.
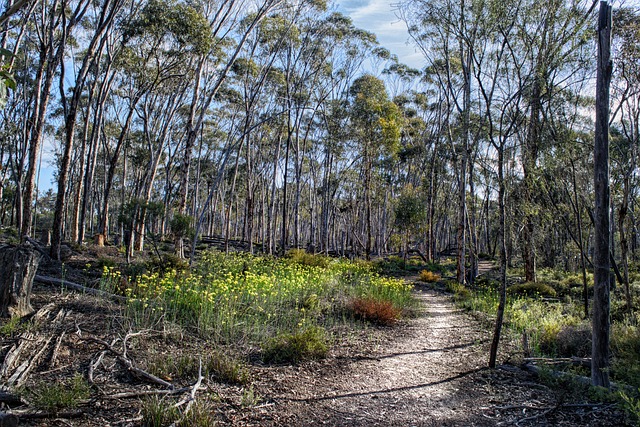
<point>428,276</point>
<point>380,312</point>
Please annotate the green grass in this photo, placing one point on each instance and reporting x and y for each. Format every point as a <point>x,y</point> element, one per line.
<point>54,397</point>
<point>557,328</point>
<point>247,300</point>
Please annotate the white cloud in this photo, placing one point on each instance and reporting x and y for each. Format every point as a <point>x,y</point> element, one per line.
<point>379,17</point>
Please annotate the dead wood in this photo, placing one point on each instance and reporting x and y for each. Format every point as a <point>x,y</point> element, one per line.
<point>142,393</point>
<point>56,349</point>
<point>190,400</point>
<point>11,399</point>
<point>77,287</point>
<point>121,356</point>
<point>18,265</point>
<point>38,247</point>
<point>576,361</point>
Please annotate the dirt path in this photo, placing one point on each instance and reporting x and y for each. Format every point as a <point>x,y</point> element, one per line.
<point>433,374</point>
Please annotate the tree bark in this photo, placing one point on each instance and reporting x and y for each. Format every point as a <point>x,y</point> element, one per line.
<point>18,265</point>
<point>601,309</point>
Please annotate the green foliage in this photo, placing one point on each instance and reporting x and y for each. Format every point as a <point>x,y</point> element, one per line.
<point>630,403</point>
<point>302,257</point>
<point>532,289</point>
<point>249,300</point>
<point>458,289</point>
<point>308,343</point>
<point>181,225</point>
<point>59,395</point>
<point>158,412</point>
<point>216,365</point>
<point>227,369</point>
<point>375,119</point>
<point>410,211</point>
<point>625,348</point>
<point>10,326</point>
<point>164,19</point>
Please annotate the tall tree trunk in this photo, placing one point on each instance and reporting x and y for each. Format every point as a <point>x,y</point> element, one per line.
<point>493,351</point>
<point>601,308</point>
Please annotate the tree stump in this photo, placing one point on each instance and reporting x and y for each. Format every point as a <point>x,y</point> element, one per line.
<point>18,265</point>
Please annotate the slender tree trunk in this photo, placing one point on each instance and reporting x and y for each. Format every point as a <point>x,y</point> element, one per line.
<point>493,352</point>
<point>601,309</point>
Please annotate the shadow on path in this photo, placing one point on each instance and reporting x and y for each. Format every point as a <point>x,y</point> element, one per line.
<point>389,390</point>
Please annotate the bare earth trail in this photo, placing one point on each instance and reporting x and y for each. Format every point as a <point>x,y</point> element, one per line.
<point>429,372</point>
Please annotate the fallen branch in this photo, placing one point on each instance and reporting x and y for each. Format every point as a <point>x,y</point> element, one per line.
<point>94,365</point>
<point>579,378</point>
<point>141,393</point>
<point>190,400</point>
<point>129,364</point>
<point>576,361</point>
<point>10,399</point>
<point>76,287</point>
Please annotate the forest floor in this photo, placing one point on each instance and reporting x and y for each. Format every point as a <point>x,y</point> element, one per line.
<point>429,370</point>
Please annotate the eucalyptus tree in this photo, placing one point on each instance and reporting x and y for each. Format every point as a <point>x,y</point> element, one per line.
<point>49,35</point>
<point>446,31</point>
<point>375,121</point>
<point>626,134</point>
<point>347,48</point>
<point>105,15</point>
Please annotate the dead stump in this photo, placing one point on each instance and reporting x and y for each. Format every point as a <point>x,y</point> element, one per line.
<point>18,265</point>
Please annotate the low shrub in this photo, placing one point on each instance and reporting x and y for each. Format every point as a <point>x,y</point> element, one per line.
<point>574,340</point>
<point>300,256</point>
<point>227,369</point>
<point>459,290</point>
<point>380,312</point>
<point>532,289</point>
<point>308,343</point>
<point>428,276</point>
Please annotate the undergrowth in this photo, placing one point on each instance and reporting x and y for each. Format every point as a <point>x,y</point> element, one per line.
<point>249,300</point>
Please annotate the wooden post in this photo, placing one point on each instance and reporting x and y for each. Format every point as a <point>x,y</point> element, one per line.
<point>18,265</point>
<point>601,320</point>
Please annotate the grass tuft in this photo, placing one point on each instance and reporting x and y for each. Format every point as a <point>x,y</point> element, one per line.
<point>54,397</point>
<point>309,343</point>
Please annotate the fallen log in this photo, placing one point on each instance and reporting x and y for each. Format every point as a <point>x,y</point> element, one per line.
<point>576,361</point>
<point>76,287</point>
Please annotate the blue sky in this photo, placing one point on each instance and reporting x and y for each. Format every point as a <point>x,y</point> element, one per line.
<point>379,17</point>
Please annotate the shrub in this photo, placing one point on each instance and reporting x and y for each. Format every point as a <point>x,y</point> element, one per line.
<point>458,289</point>
<point>532,289</point>
<point>309,343</point>
<point>300,256</point>
<point>381,312</point>
<point>428,276</point>
<point>574,341</point>
<point>168,262</point>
